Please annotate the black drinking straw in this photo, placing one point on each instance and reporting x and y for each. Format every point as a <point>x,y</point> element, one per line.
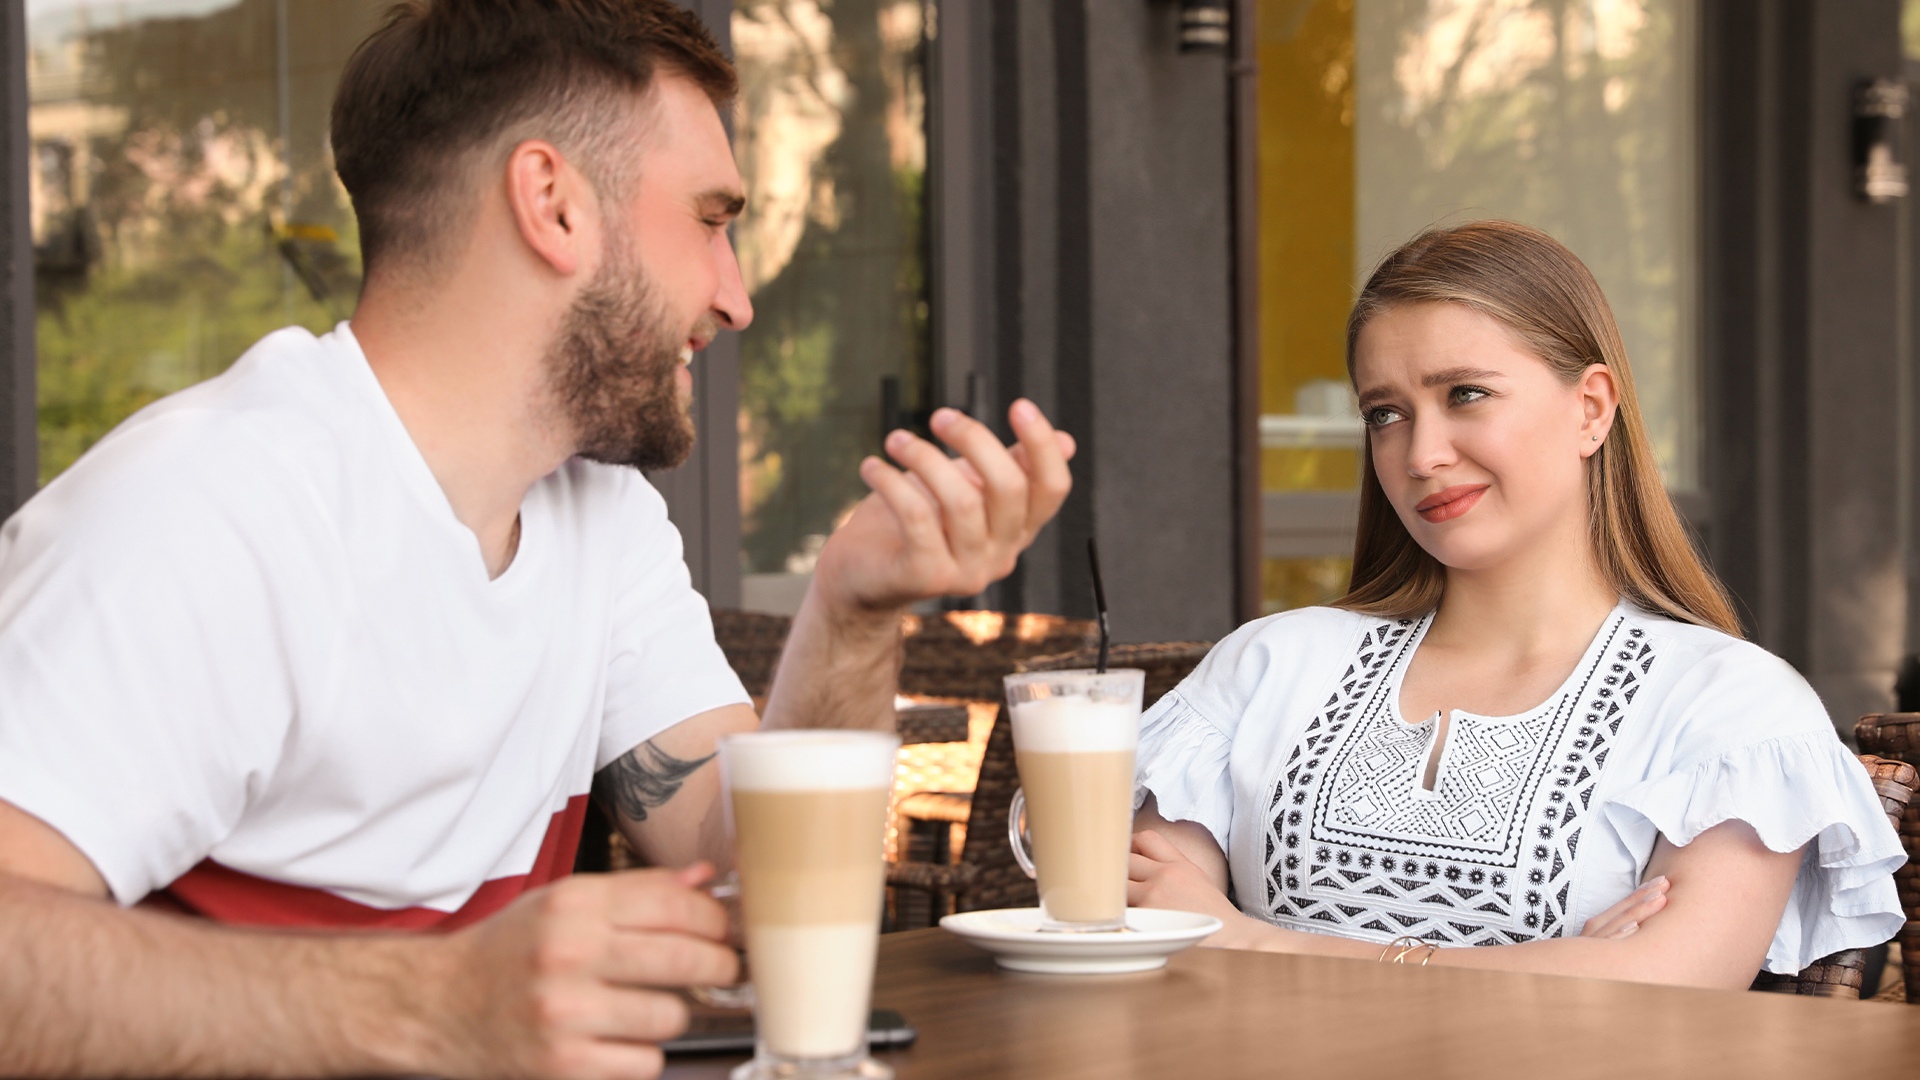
<point>1099,603</point>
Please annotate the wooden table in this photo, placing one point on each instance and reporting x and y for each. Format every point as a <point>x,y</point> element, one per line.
<point>1219,1013</point>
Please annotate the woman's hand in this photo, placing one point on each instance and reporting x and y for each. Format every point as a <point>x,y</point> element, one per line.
<point>1159,875</point>
<point>1624,918</point>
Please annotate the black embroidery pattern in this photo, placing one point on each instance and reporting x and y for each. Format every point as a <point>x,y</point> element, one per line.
<point>1355,847</point>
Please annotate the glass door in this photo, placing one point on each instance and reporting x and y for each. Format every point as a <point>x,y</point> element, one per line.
<point>831,136</point>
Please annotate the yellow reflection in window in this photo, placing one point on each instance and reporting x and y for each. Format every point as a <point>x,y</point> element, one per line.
<point>1309,437</point>
<point>1296,583</point>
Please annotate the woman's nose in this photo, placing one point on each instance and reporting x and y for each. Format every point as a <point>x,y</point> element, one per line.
<point>1429,447</point>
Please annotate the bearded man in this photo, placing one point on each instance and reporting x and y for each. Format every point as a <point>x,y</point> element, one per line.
<point>341,638</point>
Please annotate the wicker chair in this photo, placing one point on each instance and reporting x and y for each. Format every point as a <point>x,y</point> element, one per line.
<point>1841,974</point>
<point>1897,735</point>
<point>752,642</point>
<point>964,654</point>
<point>955,654</point>
<point>987,875</point>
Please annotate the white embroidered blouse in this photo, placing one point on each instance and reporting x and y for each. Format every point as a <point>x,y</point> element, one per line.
<point>1287,743</point>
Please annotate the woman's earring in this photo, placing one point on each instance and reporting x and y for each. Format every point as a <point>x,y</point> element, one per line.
<point>1596,438</point>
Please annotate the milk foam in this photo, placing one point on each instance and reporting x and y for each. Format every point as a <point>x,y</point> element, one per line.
<point>1063,725</point>
<point>811,985</point>
<point>809,760</point>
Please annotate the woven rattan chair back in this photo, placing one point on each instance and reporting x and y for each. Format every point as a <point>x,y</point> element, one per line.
<point>965,654</point>
<point>1166,663</point>
<point>1841,974</point>
<point>1897,735</point>
<point>752,642</point>
<point>953,654</point>
<point>998,881</point>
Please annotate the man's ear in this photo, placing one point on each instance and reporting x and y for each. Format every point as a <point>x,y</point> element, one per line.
<point>551,205</point>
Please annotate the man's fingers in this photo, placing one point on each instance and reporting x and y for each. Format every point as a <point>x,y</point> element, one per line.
<point>649,958</point>
<point>962,505</point>
<point>607,1059</point>
<point>696,875</point>
<point>658,900</point>
<point>910,504</point>
<point>1003,481</point>
<point>1045,459</point>
<point>1068,447</point>
<point>631,1015</point>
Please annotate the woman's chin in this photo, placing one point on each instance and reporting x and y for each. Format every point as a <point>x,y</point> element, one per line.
<point>1463,551</point>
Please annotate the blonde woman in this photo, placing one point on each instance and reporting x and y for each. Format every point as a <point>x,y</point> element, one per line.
<point>1533,714</point>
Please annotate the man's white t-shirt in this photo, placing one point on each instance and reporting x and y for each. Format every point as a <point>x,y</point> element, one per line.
<point>250,661</point>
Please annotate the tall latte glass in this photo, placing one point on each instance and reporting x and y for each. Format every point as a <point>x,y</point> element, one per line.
<point>1074,736</point>
<point>809,819</point>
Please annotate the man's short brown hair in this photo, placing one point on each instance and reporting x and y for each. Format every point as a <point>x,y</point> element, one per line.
<point>442,79</point>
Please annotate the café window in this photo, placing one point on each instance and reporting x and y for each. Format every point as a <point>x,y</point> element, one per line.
<point>831,135</point>
<point>1379,118</point>
<point>183,199</point>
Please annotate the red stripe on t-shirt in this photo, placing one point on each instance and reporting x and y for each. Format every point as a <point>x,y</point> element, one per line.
<point>226,895</point>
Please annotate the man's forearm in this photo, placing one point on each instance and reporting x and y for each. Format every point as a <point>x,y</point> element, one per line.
<point>88,989</point>
<point>840,668</point>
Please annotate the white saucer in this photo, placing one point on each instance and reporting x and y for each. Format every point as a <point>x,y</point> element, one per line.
<point>1014,937</point>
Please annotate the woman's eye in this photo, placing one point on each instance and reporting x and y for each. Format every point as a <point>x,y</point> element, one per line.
<point>1380,416</point>
<point>1464,394</point>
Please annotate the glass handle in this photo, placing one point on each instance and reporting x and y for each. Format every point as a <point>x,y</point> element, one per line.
<point>740,995</point>
<point>1017,831</point>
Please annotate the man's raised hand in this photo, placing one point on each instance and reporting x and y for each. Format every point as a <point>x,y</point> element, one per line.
<point>943,526</point>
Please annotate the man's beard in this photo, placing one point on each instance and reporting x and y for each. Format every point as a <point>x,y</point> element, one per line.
<point>611,372</point>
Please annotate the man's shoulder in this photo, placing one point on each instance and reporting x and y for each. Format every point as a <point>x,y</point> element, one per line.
<point>273,427</point>
<point>289,386</point>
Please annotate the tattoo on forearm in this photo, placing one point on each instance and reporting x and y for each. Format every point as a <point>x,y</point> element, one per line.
<point>645,778</point>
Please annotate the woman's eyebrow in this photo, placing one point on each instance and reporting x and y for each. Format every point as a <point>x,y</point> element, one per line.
<point>1458,375</point>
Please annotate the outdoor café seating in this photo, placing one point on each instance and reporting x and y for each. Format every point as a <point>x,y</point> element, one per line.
<point>949,991</point>
<point>983,875</point>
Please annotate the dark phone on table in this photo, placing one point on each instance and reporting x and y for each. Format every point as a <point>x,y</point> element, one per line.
<point>732,1033</point>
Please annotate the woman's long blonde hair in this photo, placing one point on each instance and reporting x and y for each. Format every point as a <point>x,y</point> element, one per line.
<point>1526,280</point>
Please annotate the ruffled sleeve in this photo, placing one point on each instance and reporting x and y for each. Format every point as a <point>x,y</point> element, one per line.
<point>1183,761</point>
<point>1795,790</point>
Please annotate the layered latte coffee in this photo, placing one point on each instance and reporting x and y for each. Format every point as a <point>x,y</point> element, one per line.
<point>809,822</point>
<point>1075,755</point>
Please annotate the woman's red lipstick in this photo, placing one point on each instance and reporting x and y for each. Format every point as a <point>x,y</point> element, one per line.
<point>1449,504</point>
